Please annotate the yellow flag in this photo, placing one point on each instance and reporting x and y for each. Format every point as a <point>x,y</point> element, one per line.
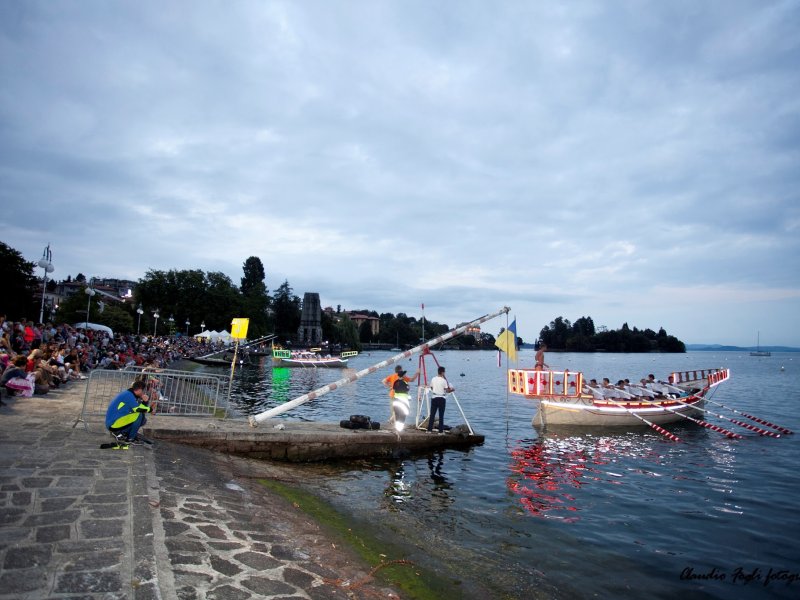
<point>239,328</point>
<point>507,341</point>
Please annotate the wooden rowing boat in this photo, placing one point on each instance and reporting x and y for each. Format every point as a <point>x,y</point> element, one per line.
<point>565,398</point>
<point>307,359</point>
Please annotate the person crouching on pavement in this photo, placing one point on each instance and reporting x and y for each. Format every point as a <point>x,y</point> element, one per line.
<point>126,412</point>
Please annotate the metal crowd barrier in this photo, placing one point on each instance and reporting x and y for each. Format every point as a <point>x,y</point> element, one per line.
<point>177,393</point>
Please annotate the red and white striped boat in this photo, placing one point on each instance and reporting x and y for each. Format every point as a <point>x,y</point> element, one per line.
<point>566,398</point>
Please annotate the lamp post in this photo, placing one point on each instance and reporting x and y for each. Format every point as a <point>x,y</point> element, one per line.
<point>46,262</point>
<point>89,292</point>
<point>155,327</point>
<point>187,326</point>
<point>203,326</point>
<point>140,312</point>
<point>171,324</point>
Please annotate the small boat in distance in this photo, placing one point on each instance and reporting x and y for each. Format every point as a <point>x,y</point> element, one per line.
<point>565,398</point>
<point>758,351</point>
<point>309,358</point>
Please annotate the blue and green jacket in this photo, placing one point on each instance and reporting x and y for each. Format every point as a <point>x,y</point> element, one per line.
<point>124,410</point>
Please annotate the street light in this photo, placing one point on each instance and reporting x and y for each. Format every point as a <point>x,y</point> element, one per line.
<point>140,312</point>
<point>155,327</point>
<point>203,326</point>
<point>171,324</point>
<point>187,326</point>
<point>89,292</point>
<point>46,262</point>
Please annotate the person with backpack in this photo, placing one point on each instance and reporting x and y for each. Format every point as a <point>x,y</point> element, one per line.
<point>401,405</point>
<point>389,383</point>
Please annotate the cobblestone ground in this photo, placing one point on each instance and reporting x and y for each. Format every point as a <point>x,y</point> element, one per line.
<point>79,522</point>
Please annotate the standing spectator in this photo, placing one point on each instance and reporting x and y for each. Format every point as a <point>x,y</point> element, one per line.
<point>439,388</point>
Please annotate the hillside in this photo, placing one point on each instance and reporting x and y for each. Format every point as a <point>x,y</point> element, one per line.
<point>720,348</point>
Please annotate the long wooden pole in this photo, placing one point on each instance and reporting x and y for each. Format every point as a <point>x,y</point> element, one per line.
<point>256,419</point>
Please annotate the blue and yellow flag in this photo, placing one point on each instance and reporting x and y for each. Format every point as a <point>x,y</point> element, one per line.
<point>507,341</point>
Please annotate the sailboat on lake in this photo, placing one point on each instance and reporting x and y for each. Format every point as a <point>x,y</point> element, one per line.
<point>758,351</point>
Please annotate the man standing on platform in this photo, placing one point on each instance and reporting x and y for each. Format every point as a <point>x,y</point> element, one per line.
<point>439,388</point>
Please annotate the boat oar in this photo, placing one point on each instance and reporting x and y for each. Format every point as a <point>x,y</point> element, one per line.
<point>705,424</point>
<point>658,428</point>
<point>756,419</point>
<point>734,421</point>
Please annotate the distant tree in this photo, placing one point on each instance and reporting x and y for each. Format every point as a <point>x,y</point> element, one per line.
<point>224,300</point>
<point>584,326</point>
<point>116,317</point>
<point>329,331</point>
<point>19,282</point>
<point>581,336</point>
<point>189,294</point>
<point>365,332</point>
<point>555,335</point>
<point>486,340</point>
<point>253,280</point>
<point>256,298</point>
<point>347,334</point>
<point>80,278</point>
<point>287,309</point>
<point>670,343</point>
<point>73,308</point>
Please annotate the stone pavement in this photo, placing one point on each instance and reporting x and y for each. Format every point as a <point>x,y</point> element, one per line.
<point>79,522</point>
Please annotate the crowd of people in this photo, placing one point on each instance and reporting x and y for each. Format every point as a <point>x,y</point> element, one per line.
<point>48,355</point>
<point>648,388</point>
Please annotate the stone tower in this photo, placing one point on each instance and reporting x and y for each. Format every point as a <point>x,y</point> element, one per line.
<point>310,331</point>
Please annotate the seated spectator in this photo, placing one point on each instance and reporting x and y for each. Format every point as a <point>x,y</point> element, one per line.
<point>16,370</point>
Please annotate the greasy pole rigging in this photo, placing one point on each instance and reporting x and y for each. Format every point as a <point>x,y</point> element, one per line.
<point>256,419</point>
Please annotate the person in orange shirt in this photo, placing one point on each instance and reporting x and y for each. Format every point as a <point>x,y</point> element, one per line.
<point>389,383</point>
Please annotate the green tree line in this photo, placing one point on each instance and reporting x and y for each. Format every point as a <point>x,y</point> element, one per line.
<point>405,331</point>
<point>581,336</point>
<point>213,299</point>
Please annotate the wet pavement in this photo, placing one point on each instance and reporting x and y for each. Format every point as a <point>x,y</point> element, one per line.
<point>77,521</point>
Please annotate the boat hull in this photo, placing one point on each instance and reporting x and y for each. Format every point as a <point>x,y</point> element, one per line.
<point>587,412</point>
<point>320,363</point>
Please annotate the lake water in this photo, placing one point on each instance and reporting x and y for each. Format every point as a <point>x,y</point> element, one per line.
<point>575,513</point>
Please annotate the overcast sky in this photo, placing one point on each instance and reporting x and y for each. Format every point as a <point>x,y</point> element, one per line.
<point>630,161</point>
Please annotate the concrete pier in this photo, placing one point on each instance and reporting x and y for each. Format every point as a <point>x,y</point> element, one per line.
<point>299,441</point>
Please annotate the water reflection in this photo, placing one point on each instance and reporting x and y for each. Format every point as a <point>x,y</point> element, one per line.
<point>280,384</point>
<point>398,490</point>
<point>436,464</point>
<point>547,471</point>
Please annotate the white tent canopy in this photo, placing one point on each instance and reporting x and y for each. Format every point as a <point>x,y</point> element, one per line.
<point>216,336</point>
<point>95,326</point>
